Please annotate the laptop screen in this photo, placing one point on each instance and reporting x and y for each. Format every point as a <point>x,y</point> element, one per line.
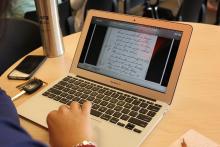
<point>138,54</point>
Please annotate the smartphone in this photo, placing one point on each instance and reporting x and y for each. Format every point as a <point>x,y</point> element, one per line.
<point>27,67</point>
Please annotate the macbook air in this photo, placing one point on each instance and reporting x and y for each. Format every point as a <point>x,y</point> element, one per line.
<point>128,67</point>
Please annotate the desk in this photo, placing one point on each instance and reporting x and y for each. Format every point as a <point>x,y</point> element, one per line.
<point>196,101</point>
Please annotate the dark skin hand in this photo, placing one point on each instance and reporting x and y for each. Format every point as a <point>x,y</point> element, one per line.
<point>70,125</point>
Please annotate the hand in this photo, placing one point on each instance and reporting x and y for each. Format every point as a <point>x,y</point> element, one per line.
<point>70,125</point>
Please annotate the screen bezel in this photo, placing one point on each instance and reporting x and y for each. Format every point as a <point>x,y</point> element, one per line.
<point>165,97</point>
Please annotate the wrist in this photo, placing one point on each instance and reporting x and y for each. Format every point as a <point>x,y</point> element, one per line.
<point>86,143</point>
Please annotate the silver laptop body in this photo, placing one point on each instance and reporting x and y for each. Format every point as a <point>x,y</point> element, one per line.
<point>122,61</point>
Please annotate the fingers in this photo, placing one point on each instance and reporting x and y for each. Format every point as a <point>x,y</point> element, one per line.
<point>75,106</point>
<point>86,107</point>
<point>63,109</point>
<point>51,115</point>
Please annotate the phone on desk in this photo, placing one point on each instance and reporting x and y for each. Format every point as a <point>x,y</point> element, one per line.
<point>27,67</point>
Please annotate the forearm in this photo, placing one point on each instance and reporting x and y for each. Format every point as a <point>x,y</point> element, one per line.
<point>12,135</point>
<point>7,108</point>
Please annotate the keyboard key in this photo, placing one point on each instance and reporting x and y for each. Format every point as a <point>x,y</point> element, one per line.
<point>113,100</point>
<point>64,94</point>
<point>121,124</point>
<point>94,93</point>
<point>69,85</point>
<point>57,98</point>
<point>97,101</point>
<point>58,87</point>
<point>71,91</point>
<point>77,82</point>
<point>101,91</point>
<point>87,91</point>
<point>153,108</point>
<point>81,89</point>
<point>106,117</point>
<point>144,105</point>
<point>83,85</point>
<point>118,108</point>
<point>133,113</point>
<point>125,117</point>
<point>51,96</point>
<point>136,130</point>
<point>110,112</point>
<point>150,102</point>
<point>114,120</point>
<point>89,86</point>
<point>106,98</point>
<point>81,101</point>
<point>95,113</point>
<point>130,126</point>
<point>138,122</point>
<point>128,106</point>
<point>90,98</point>
<point>104,103</point>
<point>75,87</point>
<point>55,91</point>
<point>70,97</point>
<point>108,93</point>
<point>157,105</point>
<point>144,117</point>
<point>78,94</point>
<point>64,101</point>
<point>84,96</point>
<point>100,96</point>
<point>136,102</point>
<point>143,111</point>
<point>95,88</point>
<point>135,108</point>
<point>75,98</point>
<point>125,111</point>
<point>62,83</point>
<point>66,89</point>
<point>46,93</point>
<point>95,106</point>
<point>111,106</point>
<point>117,114</point>
<point>121,97</point>
<point>102,109</point>
<point>129,100</point>
<point>114,95</point>
<point>151,113</point>
<point>120,103</point>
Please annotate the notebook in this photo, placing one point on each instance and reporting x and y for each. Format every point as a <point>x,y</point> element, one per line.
<point>128,67</point>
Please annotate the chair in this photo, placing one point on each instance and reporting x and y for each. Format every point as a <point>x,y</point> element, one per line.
<point>191,11</point>
<point>19,37</point>
<point>105,5</point>
<point>217,22</point>
<point>64,16</point>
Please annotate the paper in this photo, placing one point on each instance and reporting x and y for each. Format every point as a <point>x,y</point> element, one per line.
<point>194,139</point>
<point>127,53</point>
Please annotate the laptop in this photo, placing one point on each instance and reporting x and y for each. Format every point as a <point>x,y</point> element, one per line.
<point>128,67</point>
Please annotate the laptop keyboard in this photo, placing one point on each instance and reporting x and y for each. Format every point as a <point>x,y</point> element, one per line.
<point>117,107</point>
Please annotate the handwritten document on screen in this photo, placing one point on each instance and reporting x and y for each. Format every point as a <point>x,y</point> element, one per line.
<point>127,53</point>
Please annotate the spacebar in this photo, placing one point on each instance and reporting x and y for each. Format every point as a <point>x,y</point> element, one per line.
<point>137,122</point>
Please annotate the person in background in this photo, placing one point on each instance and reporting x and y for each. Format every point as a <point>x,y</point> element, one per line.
<point>69,126</point>
<point>20,7</point>
<point>78,7</point>
<point>212,5</point>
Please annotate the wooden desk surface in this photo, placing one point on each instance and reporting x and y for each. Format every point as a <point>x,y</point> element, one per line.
<point>196,103</point>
